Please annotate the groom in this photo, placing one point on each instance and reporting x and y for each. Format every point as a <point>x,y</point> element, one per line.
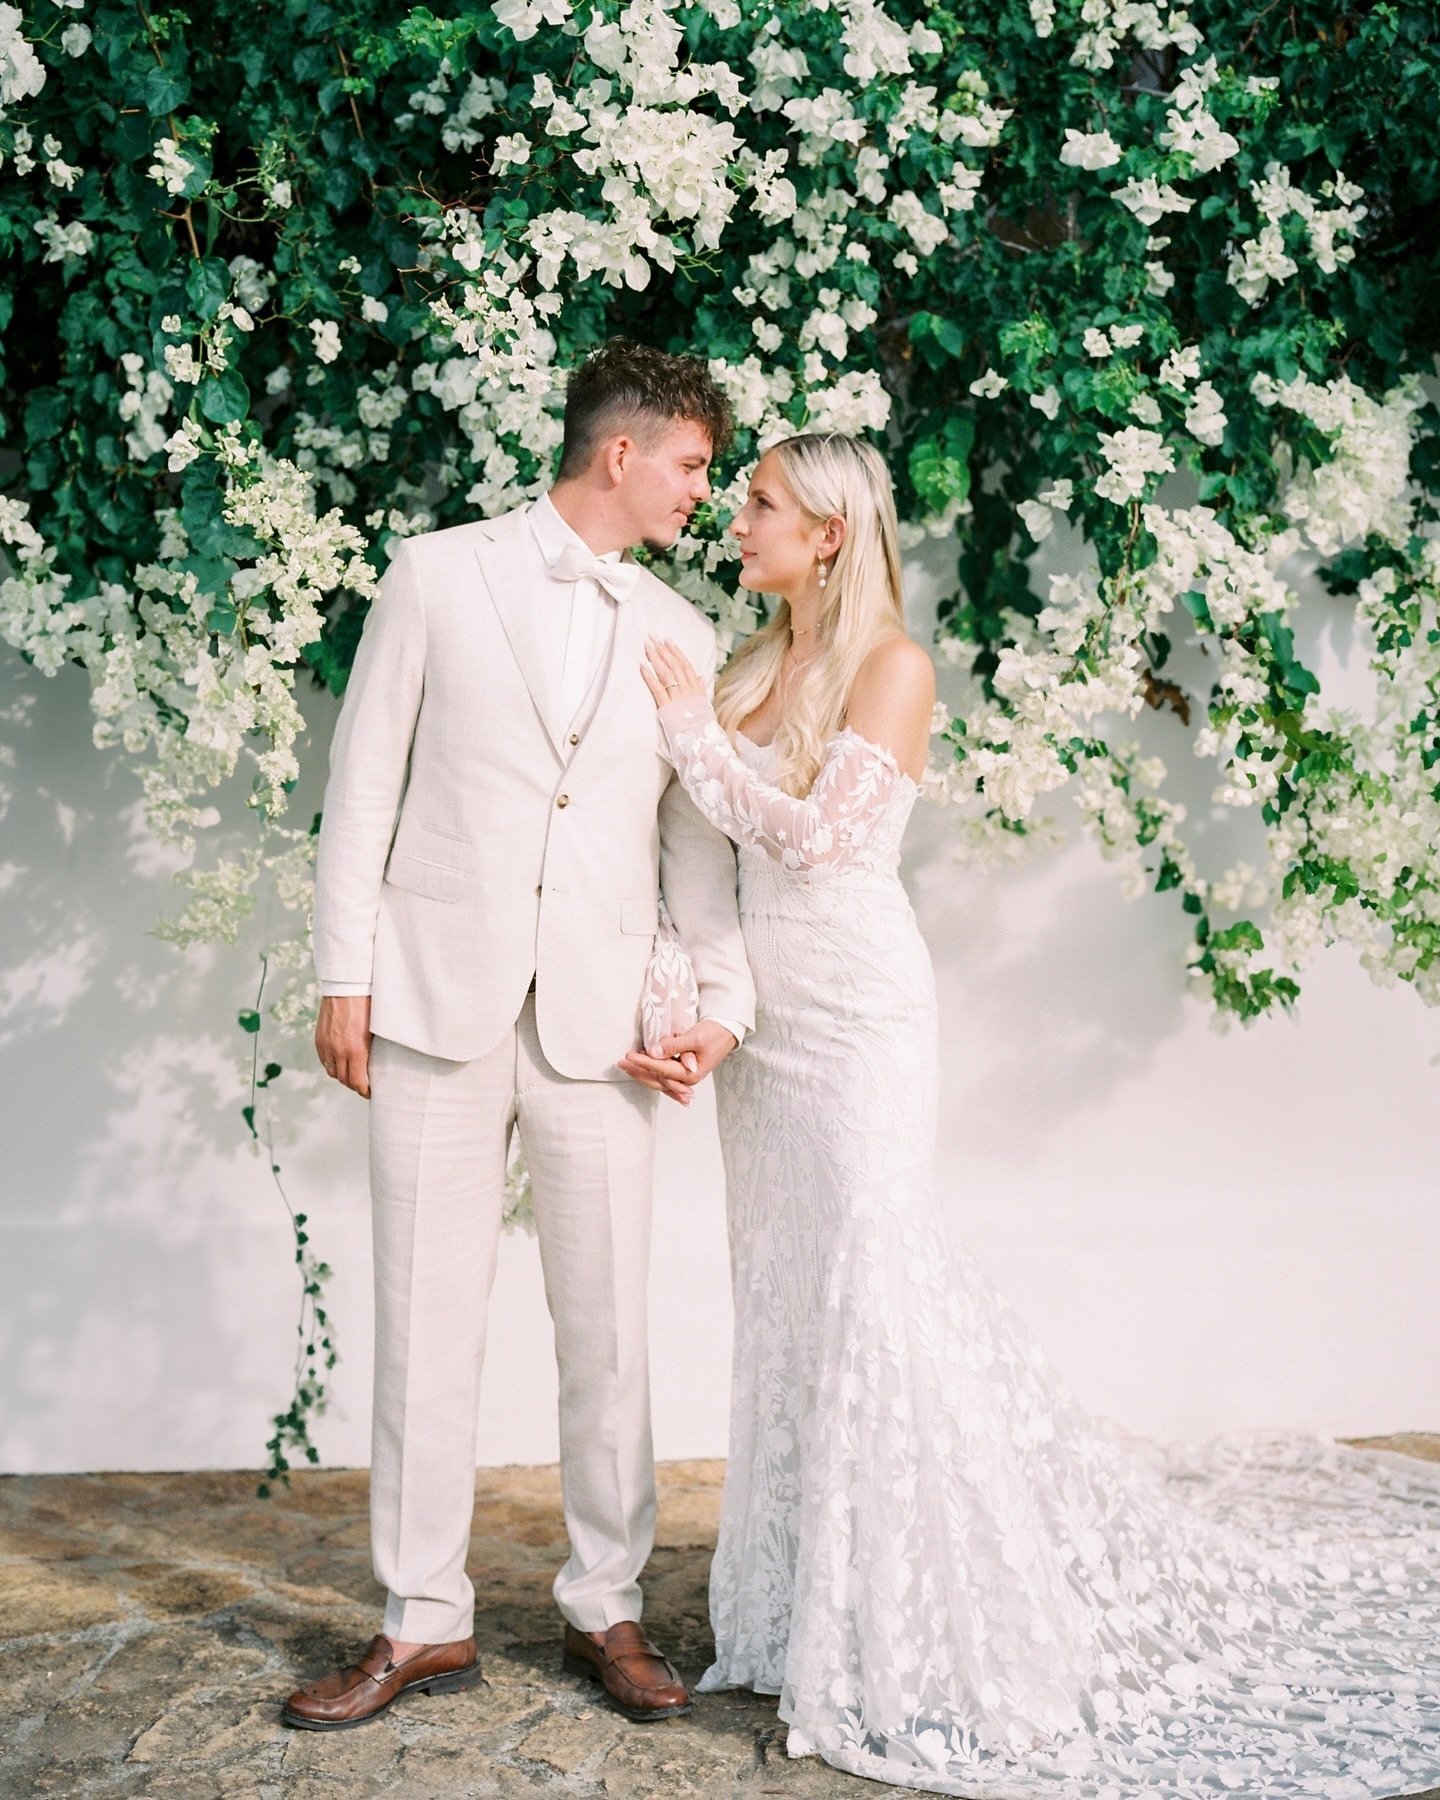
<point>498,825</point>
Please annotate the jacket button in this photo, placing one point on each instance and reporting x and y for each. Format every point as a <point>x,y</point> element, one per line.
<point>540,889</point>
<point>574,737</point>
<point>564,800</point>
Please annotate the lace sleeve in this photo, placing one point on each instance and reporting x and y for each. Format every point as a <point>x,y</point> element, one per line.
<point>825,830</point>
<point>670,999</point>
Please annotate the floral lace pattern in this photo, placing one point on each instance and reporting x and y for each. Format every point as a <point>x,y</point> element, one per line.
<point>828,829</point>
<point>670,998</point>
<point>956,1580</point>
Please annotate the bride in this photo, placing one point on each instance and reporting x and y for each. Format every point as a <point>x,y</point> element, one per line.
<point>953,1578</point>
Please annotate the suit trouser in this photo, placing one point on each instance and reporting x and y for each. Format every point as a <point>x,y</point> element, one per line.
<point>438,1137</point>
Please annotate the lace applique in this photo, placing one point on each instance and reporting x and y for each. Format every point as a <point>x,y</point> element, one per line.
<point>825,830</point>
<point>670,999</point>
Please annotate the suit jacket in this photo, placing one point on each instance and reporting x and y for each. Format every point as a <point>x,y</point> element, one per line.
<point>472,838</point>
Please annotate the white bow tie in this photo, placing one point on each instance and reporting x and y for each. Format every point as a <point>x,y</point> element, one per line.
<point>576,564</point>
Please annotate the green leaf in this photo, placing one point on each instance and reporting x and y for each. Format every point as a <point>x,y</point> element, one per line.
<point>164,91</point>
<point>249,1021</point>
<point>207,284</point>
<point>939,464</point>
<point>224,398</point>
<point>1198,608</point>
<point>47,412</point>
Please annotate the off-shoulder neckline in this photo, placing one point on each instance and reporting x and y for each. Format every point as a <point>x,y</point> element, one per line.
<point>848,731</point>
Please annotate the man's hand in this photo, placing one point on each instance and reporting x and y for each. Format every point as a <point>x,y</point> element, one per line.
<point>685,1060</point>
<point>342,1040</point>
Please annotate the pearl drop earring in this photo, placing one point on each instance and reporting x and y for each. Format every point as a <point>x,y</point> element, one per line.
<point>823,576</point>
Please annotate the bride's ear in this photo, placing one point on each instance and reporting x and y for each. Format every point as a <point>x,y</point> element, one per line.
<point>835,530</point>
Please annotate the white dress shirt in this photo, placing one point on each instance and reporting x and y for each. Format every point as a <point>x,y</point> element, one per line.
<point>584,615</point>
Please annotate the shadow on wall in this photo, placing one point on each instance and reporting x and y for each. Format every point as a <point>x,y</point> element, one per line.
<point>120,1090</point>
<point>1099,982</point>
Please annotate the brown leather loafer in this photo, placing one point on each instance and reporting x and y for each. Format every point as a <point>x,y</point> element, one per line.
<point>362,1692</point>
<point>637,1679</point>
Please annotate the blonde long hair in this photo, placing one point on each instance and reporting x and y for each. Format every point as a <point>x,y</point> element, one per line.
<point>863,602</point>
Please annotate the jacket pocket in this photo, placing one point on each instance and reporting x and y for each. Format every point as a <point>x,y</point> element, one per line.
<point>642,917</point>
<point>424,829</point>
<point>416,876</point>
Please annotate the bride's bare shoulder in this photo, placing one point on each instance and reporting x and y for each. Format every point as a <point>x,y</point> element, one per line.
<point>898,668</point>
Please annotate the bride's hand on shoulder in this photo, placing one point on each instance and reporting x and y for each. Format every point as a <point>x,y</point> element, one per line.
<point>668,672</point>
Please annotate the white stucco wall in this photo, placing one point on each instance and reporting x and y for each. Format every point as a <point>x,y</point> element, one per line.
<point>1206,1232</point>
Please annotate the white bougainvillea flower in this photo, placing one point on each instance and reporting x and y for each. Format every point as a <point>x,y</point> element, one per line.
<point>1259,261</point>
<point>1089,149</point>
<point>1205,416</point>
<point>988,385</point>
<point>1364,489</point>
<point>327,339</point>
<point>61,174</point>
<point>182,364</point>
<point>1133,454</point>
<point>981,129</point>
<point>1037,519</point>
<point>1198,135</point>
<point>183,447</point>
<point>856,401</point>
<point>1150,201</point>
<point>523,18</point>
<point>958,194</point>
<point>875,44</point>
<point>21,71</point>
<point>510,151</point>
<point>926,230</point>
<point>64,243</point>
<point>1096,342</point>
<point>171,169</point>
<point>1180,367</point>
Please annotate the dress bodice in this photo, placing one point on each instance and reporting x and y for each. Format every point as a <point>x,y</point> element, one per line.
<point>854,817</point>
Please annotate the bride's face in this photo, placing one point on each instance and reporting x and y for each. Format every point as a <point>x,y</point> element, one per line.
<point>780,543</point>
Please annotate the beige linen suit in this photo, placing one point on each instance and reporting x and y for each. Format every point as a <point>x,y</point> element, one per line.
<point>474,837</point>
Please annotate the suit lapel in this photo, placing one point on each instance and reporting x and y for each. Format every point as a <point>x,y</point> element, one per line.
<point>622,673</point>
<point>498,552</point>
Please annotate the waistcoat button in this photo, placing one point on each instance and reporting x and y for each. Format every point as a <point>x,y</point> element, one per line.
<point>564,800</point>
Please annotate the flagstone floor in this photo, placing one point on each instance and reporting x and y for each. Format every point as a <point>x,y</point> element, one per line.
<point>151,1624</point>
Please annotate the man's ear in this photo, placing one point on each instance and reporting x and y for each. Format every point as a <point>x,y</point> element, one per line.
<point>619,454</point>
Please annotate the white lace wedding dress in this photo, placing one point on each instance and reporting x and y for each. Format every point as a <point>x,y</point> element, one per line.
<point>953,1577</point>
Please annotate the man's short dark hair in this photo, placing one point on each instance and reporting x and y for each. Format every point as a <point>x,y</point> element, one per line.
<point>621,383</point>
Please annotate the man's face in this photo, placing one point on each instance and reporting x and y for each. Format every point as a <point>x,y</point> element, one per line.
<point>663,479</point>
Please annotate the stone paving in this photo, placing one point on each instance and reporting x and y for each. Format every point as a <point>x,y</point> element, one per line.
<point>151,1624</point>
